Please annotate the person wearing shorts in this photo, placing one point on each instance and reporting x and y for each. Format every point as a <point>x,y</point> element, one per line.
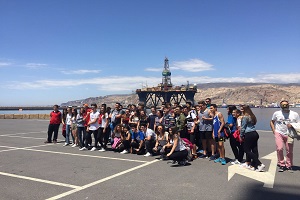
<point>205,129</point>
<point>218,134</point>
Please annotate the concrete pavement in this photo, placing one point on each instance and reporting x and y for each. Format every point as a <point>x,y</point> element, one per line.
<point>30,169</point>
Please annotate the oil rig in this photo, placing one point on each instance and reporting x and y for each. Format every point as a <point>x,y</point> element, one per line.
<point>166,92</point>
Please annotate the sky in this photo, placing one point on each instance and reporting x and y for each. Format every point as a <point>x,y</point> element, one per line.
<point>54,51</point>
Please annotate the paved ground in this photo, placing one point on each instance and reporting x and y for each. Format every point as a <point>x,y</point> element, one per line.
<point>30,169</point>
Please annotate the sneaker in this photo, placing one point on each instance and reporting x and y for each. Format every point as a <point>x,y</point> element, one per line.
<point>182,163</point>
<point>200,151</point>
<point>124,151</point>
<point>102,150</point>
<point>251,168</point>
<point>83,149</point>
<point>172,162</point>
<point>260,168</point>
<point>47,142</point>
<point>245,165</point>
<point>74,145</point>
<point>66,144</point>
<point>223,161</point>
<point>54,141</point>
<point>212,157</point>
<point>281,169</point>
<point>94,149</point>
<point>203,156</point>
<point>235,162</point>
<point>148,154</point>
<point>290,169</point>
<point>218,160</point>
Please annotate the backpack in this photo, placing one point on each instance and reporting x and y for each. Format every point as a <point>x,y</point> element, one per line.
<point>227,130</point>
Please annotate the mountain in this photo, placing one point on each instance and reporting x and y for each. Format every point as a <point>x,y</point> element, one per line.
<point>229,93</point>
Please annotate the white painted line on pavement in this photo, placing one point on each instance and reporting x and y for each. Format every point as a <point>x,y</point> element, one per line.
<point>17,148</point>
<point>20,133</point>
<point>101,180</point>
<point>65,153</point>
<point>84,155</point>
<point>40,180</point>
<point>15,136</point>
<point>267,177</point>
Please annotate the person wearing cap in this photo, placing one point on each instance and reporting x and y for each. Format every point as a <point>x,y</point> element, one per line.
<point>280,125</point>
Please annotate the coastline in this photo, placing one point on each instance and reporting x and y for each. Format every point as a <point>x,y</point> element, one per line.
<point>24,116</point>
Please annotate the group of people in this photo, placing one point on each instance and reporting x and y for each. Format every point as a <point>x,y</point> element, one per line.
<point>175,132</point>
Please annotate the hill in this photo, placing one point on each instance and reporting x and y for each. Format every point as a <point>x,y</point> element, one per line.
<point>229,93</point>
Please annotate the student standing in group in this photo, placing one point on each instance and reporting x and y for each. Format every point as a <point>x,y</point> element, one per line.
<point>126,117</point>
<point>55,120</point>
<point>74,127</point>
<point>63,121</point>
<point>190,122</point>
<point>218,134</point>
<point>238,144</point>
<point>116,116</point>
<point>158,118</point>
<point>168,119</point>
<point>205,129</point>
<point>103,129</point>
<point>143,119</point>
<point>280,125</point>
<point>86,118</point>
<point>68,125</point>
<point>152,117</point>
<point>93,126</point>
<point>232,123</point>
<point>250,136</point>
<point>180,120</point>
<point>81,132</point>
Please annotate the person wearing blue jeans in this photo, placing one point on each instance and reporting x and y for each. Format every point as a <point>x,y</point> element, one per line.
<point>68,126</point>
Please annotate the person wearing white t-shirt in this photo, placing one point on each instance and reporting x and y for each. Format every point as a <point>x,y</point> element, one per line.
<point>280,124</point>
<point>93,126</point>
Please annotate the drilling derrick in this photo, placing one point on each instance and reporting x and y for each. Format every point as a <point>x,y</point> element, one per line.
<point>165,92</point>
<point>166,76</point>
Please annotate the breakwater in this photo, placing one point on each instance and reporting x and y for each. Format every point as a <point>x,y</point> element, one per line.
<point>26,107</point>
<point>25,116</point>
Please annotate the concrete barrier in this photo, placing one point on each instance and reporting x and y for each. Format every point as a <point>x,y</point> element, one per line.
<point>26,116</point>
<point>41,116</point>
<point>33,116</point>
<point>18,116</point>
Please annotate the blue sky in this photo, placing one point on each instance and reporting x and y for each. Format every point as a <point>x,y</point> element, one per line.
<point>54,51</point>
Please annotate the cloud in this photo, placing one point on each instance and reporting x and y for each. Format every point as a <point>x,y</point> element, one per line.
<point>192,65</point>
<point>36,65</point>
<point>5,64</point>
<point>153,69</point>
<point>280,78</point>
<point>81,71</point>
<point>129,83</point>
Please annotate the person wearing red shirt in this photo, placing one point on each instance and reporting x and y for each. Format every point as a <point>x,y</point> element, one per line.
<point>55,120</point>
<point>86,118</point>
